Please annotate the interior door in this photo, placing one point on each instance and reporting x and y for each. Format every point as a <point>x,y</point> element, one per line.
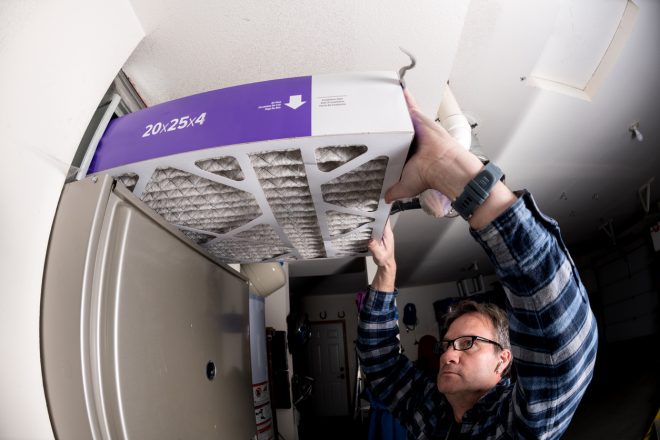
<point>327,361</point>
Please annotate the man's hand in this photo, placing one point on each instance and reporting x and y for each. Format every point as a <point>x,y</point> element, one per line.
<point>441,163</point>
<point>383,250</point>
<point>435,150</point>
<point>383,254</point>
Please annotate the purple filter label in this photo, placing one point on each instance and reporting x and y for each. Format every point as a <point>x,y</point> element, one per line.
<point>262,111</point>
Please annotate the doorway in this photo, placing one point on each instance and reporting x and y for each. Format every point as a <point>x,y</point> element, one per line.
<point>327,361</point>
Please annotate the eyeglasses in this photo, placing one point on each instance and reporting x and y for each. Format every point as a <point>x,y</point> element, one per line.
<point>463,343</point>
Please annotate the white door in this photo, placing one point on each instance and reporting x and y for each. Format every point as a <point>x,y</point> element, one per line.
<point>326,358</point>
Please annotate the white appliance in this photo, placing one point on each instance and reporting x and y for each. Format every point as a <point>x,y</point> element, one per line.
<point>144,335</point>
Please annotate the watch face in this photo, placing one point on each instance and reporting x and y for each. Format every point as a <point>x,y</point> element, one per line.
<point>484,179</point>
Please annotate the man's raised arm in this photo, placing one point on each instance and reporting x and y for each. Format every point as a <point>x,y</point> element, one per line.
<point>553,332</point>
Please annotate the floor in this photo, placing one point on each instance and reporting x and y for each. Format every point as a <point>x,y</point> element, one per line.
<point>333,428</point>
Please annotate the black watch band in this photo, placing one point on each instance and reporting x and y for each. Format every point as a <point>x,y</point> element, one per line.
<point>477,191</point>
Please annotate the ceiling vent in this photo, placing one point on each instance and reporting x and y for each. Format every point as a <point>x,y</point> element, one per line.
<point>280,170</point>
<point>588,38</point>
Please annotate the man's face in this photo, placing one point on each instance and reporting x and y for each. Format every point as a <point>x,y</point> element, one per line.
<point>471,371</point>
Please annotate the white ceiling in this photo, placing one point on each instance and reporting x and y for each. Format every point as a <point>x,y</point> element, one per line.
<point>547,142</point>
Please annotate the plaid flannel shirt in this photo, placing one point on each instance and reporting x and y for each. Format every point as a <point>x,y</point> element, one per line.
<point>553,341</point>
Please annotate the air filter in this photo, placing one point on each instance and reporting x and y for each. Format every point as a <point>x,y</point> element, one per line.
<point>286,169</point>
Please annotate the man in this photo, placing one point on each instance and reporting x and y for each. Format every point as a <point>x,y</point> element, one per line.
<point>552,331</point>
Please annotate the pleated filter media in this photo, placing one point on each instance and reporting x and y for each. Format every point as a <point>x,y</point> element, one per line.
<point>287,169</point>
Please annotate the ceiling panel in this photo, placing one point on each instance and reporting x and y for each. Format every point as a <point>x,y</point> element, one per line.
<point>198,46</point>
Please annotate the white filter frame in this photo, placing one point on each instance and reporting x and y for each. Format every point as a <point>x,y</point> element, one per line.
<point>363,97</point>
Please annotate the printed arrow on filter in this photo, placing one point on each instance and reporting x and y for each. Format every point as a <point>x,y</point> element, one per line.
<point>295,101</point>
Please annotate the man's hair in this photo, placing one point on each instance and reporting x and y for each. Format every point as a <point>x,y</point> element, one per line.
<point>496,315</point>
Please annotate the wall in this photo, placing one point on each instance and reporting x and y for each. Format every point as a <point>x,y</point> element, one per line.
<point>277,309</point>
<point>623,285</point>
<point>57,59</point>
<point>423,297</point>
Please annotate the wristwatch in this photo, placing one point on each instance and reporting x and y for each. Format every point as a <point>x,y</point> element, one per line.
<point>477,191</point>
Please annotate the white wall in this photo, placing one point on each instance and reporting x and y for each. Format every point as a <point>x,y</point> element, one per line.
<point>277,309</point>
<point>423,297</point>
<point>57,59</point>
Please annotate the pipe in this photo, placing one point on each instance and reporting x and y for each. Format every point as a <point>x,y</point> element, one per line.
<point>452,119</point>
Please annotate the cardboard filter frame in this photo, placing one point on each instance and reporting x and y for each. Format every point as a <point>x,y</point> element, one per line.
<point>286,169</point>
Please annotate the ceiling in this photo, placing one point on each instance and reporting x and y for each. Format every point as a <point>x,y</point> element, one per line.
<point>552,85</point>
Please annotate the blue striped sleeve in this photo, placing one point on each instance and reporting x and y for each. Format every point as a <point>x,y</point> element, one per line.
<point>411,397</point>
<point>552,328</point>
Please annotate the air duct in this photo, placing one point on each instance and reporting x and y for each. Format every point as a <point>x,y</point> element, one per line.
<point>454,121</point>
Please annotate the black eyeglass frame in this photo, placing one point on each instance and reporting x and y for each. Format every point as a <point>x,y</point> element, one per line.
<point>473,338</point>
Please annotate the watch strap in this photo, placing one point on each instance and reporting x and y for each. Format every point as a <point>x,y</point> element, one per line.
<point>477,190</point>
